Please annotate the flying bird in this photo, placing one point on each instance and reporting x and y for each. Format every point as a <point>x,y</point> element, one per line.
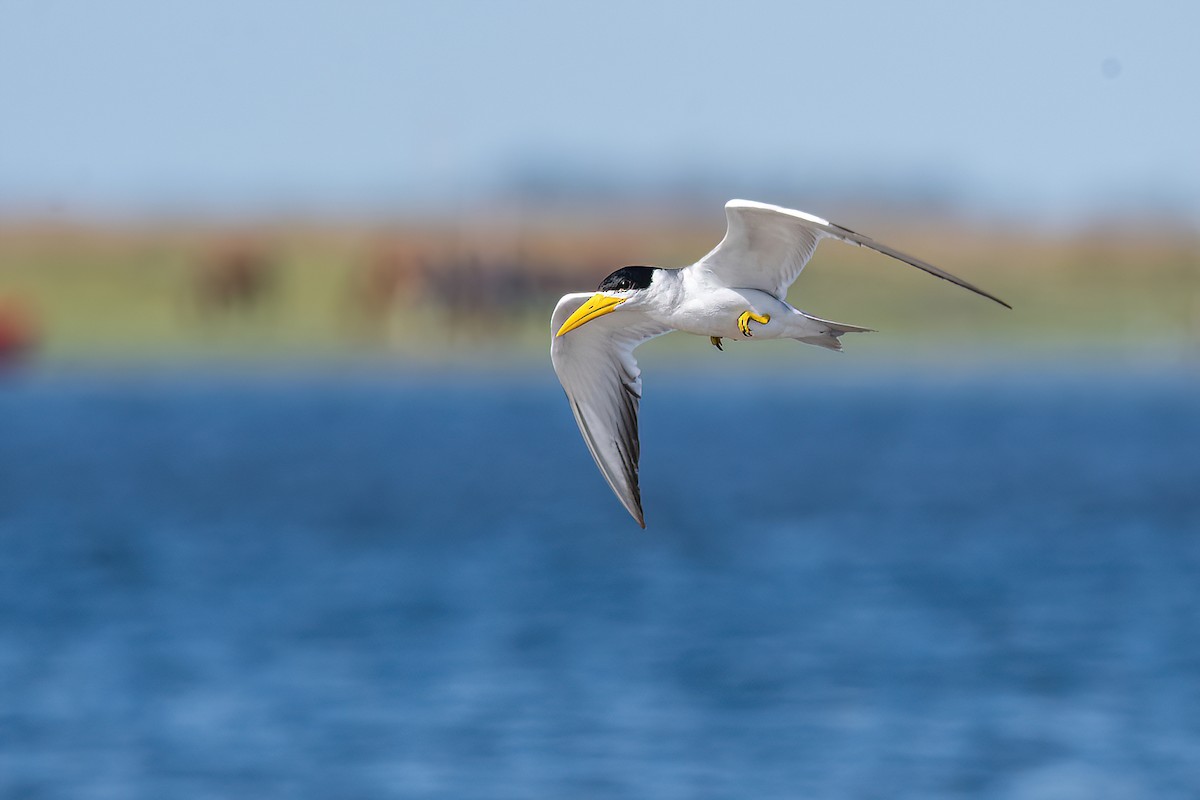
<point>738,292</point>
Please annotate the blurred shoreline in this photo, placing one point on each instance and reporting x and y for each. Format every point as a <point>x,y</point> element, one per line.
<point>466,293</point>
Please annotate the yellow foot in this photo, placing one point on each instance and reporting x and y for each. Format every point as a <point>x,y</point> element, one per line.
<point>716,342</point>
<point>746,316</point>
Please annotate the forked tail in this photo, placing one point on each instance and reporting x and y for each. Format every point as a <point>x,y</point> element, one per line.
<point>826,333</point>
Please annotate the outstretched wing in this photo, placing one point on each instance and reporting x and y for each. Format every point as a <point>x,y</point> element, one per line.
<point>766,247</point>
<point>596,368</point>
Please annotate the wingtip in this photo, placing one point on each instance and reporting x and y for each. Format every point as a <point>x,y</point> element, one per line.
<point>993,298</point>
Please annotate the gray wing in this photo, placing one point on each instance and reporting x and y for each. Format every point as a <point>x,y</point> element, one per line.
<point>597,370</point>
<point>766,247</point>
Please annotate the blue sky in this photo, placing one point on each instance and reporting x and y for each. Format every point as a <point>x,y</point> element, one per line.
<point>1066,108</point>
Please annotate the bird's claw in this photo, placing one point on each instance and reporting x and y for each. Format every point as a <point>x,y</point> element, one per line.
<point>716,342</point>
<point>743,321</point>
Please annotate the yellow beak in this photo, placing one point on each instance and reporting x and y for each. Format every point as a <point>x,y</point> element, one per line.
<point>597,306</point>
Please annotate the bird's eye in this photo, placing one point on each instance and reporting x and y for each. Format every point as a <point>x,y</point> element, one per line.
<point>625,285</point>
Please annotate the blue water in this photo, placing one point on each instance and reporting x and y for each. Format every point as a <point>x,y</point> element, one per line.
<point>355,586</point>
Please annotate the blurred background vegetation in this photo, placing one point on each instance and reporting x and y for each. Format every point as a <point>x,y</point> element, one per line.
<point>477,290</point>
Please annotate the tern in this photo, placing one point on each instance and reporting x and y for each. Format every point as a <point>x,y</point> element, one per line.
<point>737,292</point>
